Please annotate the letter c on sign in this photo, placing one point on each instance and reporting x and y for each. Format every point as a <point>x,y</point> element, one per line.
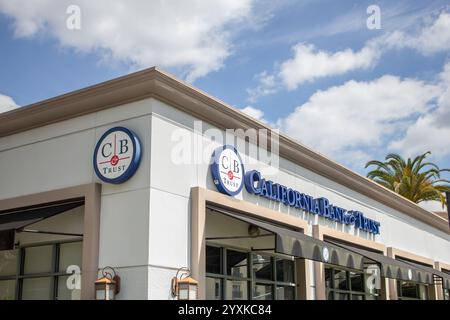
<point>103,149</point>
<point>250,178</point>
<point>224,165</point>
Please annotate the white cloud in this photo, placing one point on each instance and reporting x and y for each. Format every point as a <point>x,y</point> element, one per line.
<point>192,35</point>
<point>348,120</point>
<point>7,104</point>
<point>433,38</point>
<point>267,85</point>
<point>308,63</point>
<point>254,113</point>
<point>431,131</point>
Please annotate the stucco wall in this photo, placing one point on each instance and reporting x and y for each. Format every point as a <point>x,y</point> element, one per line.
<point>145,228</point>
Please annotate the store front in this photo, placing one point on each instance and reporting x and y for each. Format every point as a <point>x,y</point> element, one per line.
<point>46,248</point>
<point>299,226</point>
<point>43,250</point>
<point>347,284</point>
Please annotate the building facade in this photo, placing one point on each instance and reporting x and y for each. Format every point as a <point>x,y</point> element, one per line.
<point>122,174</point>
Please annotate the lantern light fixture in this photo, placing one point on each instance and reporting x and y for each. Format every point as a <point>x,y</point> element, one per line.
<point>183,286</point>
<point>108,286</point>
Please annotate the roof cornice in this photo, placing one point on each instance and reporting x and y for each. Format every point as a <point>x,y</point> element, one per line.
<point>163,86</point>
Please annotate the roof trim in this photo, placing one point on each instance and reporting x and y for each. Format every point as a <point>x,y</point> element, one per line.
<point>155,83</point>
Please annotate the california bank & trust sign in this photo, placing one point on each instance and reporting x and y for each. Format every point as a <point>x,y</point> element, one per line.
<point>227,166</point>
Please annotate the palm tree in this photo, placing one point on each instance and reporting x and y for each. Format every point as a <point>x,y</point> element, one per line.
<point>415,179</point>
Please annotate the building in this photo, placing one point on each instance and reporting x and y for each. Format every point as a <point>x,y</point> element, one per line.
<point>102,177</point>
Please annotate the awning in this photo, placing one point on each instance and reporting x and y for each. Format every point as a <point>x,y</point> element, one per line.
<point>17,219</point>
<point>300,245</point>
<point>438,275</point>
<point>395,269</point>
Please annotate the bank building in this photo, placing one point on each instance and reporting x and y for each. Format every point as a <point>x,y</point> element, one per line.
<point>98,200</point>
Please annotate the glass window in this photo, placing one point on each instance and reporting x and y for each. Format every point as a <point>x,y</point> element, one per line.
<point>234,281</point>
<point>213,260</point>
<point>285,293</point>
<point>342,284</point>
<point>38,259</point>
<point>67,289</point>
<point>341,296</point>
<point>411,290</point>
<point>262,292</point>
<point>43,274</point>
<point>340,279</point>
<point>357,281</point>
<point>69,254</point>
<point>262,267</point>
<point>213,289</point>
<point>237,263</point>
<point>328,277</point>
<point>285,270</point>
<point>236,290</point>
<point>330,295</point>
<point>408,290</point>
<point>446,294</point>
<point>7,289</point>
<point>8,262</point>
<point>37,288</point>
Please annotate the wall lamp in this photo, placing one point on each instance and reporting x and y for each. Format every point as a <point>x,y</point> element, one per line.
<point>108,286</point>
<point>183,286</point>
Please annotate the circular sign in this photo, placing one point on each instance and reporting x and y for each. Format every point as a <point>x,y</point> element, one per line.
<point>117,155</point>
<point>227,170</point>
<point>325,254</point>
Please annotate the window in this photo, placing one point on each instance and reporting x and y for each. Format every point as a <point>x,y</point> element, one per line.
<point>408,290</point>
<point>39,272</point>
<point>343,284</point>
<point>234,274</point>
<point>446,294</point>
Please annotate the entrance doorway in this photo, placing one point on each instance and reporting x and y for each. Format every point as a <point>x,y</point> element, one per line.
<point>41,253</point>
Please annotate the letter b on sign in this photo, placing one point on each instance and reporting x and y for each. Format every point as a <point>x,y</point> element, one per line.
<point>123,146</point>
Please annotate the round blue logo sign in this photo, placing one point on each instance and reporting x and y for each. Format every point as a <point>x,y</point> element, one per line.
<point>117,155</point>
<point>227,170</point>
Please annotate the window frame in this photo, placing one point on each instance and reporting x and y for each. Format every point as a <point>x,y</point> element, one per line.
<point>417,286</point>
<point>54,274</point>
<point>250,279</point>
<point>350,292</point>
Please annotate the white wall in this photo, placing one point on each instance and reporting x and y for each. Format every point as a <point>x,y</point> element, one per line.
<point>397,229</point>
<point>60,155</point>
<point>145,224</point>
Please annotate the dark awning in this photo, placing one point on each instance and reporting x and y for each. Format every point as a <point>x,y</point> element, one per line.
<point>300,245</point>
<point>19,218</point>
<point>394,269</point>
<point>438,275</point>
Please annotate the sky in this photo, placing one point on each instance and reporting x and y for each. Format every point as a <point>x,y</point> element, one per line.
<point>353,80</point>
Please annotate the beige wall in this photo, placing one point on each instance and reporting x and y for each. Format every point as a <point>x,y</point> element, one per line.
<point>201,197</point>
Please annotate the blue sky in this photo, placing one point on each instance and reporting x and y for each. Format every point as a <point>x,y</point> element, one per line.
<point>311,68</point>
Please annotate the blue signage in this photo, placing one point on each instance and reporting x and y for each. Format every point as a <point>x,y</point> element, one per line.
<point>227,170</point>
<point>229,177</point>
<point>255,184</point>
<point>117,155</point>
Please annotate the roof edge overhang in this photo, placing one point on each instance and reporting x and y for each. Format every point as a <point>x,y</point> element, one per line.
<point>155,83</point>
